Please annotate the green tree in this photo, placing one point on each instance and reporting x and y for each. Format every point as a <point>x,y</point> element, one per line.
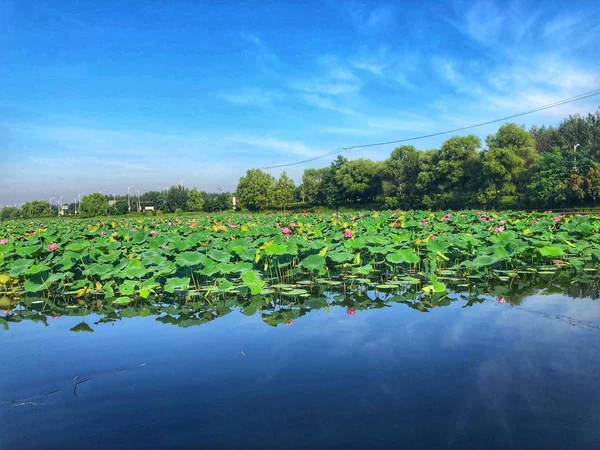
<point>284,190</point>
<point>35,209</point>
<point>176,198</point>
<point>119,208</point>
<point>255,190</point>
<point>312,184</point>
<point>10,212</point>
<point>195,201</point>
<point>360,180</point>
<point>151,198</point>
<point>507,164</point>
<point>455,168</point>
<point>593,182</point>
<point>400,174</point>
<point>217,202</point>
<point>93,205</point>
<point>546,187</point>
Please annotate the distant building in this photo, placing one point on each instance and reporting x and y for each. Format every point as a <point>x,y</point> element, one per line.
<point>148,208</point>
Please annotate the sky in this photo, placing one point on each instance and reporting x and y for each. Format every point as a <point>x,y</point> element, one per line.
<point>104,95</point>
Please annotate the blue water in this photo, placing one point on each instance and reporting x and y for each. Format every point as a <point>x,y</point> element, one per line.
<point>488,376</point>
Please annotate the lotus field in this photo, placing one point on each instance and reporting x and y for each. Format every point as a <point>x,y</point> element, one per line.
<point>264,254</point>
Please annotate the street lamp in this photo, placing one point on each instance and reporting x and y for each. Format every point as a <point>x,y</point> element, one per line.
<point>139,208</point>
<point>575,157</point>
<point>75,198</point>
<point>61,203</point>
<point>128,203</point>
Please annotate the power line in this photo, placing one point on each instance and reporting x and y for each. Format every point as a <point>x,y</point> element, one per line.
<point>530,111</point>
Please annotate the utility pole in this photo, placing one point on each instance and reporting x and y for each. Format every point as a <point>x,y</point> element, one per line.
<point>181,182</point>
<point>61,203</point>
<point>575,157</point>
<point>347,153</point>
<point>128,202</point>
<point>139,208</point>
<point>75,198</point>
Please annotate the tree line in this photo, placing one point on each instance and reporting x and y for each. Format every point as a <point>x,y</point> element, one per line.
<point>173,200</point>
<point>543,167</point>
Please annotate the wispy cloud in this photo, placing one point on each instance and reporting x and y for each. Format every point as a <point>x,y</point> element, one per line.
<point>395,66</point>
<point>261,53</point>
<point>327,104</point>
<point>319,87</point>
<point>278,145</point>
<point>371,19</point>
<point>252,97</point>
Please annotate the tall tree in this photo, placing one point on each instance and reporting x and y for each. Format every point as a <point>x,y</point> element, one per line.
<point>195,201</point>
<point>360,180</point>
<point>35,209</point>
<point>176,198</point>
<point>255,190</point>
<point>455,168</point>
<point>507,164</point>
<point>400,173</point>
<point>93,205</point>
<point>284,190</point>
<point>312,184</point>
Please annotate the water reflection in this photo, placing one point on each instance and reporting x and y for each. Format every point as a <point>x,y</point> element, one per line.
<point>280,309</point>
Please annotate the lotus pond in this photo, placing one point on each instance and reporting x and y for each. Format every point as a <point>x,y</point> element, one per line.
<point>363,330</point>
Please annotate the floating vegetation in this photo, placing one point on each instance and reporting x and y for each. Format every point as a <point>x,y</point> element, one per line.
<point>116,263</point>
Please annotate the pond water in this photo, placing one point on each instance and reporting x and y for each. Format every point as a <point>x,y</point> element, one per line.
<point>468,374</point>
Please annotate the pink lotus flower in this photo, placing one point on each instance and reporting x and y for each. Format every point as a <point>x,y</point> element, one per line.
<point>558,218</point>
<point>3,241</point>
<point>285,230</point>
<point>52,247</point>
<point>549,211</point>
<point>499,230</point>
<point>153,233</point>
<point>432,237</point>
<point>424,223</point>
<point>501,300</point>
<point>483,219</point>
<point>397,224</point>
<point>289,322</point>
<point>115,234</point>
<point>352,219</point>
<point>351,312</point>
<point>502,222</point>
<point>103,233</point>
<point>164,247</point>
<point>293,225</point>
<point>445,219</point>
<point>348,234</point>
<point>56,317</point>
<point>361,215</point>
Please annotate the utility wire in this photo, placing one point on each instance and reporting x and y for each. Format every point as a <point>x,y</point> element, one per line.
<point>530,111</point>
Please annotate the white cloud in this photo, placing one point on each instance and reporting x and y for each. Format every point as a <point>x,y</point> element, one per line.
<point>370,20</point>
<point>278,145</point>
<point>324,87</point>
<point>252,97</point>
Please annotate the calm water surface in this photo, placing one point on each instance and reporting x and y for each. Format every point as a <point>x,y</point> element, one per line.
<point>490,375</point>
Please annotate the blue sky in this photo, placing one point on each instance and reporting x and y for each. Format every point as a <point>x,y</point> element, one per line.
<point>104,95</point>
